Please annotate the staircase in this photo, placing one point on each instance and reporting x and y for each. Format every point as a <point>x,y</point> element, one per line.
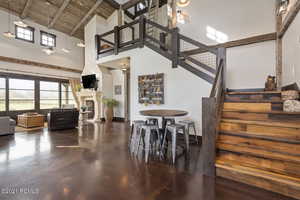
<point>259,144</point>
<point>164,41</point>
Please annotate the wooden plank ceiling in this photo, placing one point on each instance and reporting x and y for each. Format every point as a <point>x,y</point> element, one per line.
<point>64,15</point>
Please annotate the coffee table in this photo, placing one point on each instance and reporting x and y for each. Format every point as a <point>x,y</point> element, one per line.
<point>30,121</point>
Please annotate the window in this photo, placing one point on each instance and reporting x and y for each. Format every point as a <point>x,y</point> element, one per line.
<point>67,95</point>
<point>26,34</point>
<point>49,95</point>
<point>21,94</point>
<point>2,94</point>
<point>48,39</point>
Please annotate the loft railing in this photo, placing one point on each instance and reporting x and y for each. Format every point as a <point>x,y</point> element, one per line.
<point>168,43</point>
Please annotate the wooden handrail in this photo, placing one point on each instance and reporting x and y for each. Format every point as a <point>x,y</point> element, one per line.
<point>198,44</point>
<point>217,79</point>
<point>130,24</point>
<point>163,28</point>
<point>107,33</point>
<point>107,41</point>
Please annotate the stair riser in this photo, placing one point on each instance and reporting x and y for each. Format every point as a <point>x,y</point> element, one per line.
<point>261,182</point>
<point>252,107</point>
<point>252,97</point>
<point>271,146</point>
<point>275,133</point>
<point>270,165</point>
<point>258,153</point>
<point>260,116</point>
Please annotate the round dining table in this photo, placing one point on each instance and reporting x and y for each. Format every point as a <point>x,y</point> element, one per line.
<point>163,113</point>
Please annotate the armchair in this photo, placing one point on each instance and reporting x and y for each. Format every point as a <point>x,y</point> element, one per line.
<point>7,126</point>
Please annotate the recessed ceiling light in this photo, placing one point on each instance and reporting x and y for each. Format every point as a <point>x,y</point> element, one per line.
<point>9,34</point>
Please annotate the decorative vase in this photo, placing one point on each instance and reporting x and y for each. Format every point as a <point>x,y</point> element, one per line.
<point>109,114</point>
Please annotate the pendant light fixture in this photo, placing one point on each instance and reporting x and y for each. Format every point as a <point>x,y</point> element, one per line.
<point>182,17</point>
<point>183,3</point>
<point>48,50</point>
<point>283,6</point>
<point>66,48</point>
<point>8,33</point>
<point>81,43</point>
<point>20,22</point>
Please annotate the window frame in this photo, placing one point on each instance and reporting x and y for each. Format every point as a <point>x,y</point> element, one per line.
<point>36,79</point>
<point>49,35</point>
<point>58,92</point>
<point>17,89</point>
<point>68,93</point>
<point>5,93</point>
<point>27,28</point>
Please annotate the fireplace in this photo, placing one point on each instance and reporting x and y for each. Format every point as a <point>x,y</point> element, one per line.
<point>90,107</point>
<point>94,96</point>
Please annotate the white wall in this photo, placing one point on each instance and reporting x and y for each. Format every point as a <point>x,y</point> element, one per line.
<point>33,51</point>
<point>119,79</point>
<point>291,52</point>
<point>237,19</point>
<point>183,90</point>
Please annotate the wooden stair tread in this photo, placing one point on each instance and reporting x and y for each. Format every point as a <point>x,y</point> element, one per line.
<point>265,112</point>
<point>258,152</point>
<point>272,123</point>
<point>270,165</point>
<point>258,172</point>
<point>261,136</point>
<point>253,92</point>
<point>282,184</point>
<point>254,101</point>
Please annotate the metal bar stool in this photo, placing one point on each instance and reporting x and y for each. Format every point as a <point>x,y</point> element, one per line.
<point>149,130</point>
<point>167,121</point>
<point>190,124</point>
<point>152,121</point>
<point>135,130</point>
<point>174,130</point>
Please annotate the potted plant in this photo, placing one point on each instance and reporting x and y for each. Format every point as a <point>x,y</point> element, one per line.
<point>109,108</point>
<point>78,88</point>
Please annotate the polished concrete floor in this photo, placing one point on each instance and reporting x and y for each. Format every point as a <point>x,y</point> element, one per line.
<point>93,163</point>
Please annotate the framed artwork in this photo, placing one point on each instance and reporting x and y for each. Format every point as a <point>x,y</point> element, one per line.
<point>151,89</point>
<point>118,89</point>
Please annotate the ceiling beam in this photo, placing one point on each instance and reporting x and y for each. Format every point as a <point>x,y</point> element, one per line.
<point>88,14</point>
<point>131,3</point>
<point>38,64</point>
<point>113,4</point>
<point>26,8</point>
<point>289,18</point>
<point>59,12</point>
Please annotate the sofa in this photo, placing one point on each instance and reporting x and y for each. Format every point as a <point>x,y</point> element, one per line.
<point>62,119</point>
<point>7,126</point>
